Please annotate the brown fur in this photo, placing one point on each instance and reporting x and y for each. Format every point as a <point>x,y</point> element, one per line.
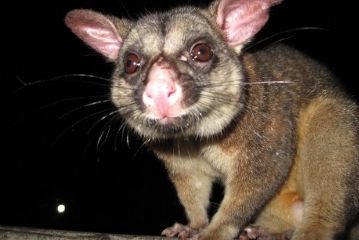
<point>324,152</point>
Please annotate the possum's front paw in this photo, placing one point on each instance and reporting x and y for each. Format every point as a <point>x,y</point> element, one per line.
<point>258,233</point>
<point>181,231</point>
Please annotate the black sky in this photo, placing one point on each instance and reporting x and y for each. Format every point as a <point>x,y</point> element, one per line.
<point>51,152</point>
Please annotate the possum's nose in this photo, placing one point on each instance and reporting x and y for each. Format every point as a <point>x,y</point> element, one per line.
<point>163,95</point>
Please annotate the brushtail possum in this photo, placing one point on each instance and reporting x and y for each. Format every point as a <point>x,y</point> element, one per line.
<point>272,125</point>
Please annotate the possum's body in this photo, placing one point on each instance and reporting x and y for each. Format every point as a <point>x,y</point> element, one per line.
<point>326,155</point>
<point>305,119</point>
<point>273,125</point>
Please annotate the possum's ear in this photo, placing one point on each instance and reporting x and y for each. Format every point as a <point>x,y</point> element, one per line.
<point>101,32</point>
<point>240,20</point>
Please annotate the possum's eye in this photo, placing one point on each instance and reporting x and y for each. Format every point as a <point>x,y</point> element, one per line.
<point>132,63</point>
<point>201,52</point>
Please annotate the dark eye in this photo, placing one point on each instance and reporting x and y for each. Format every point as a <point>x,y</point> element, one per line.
<point>132,63</point>
<point>201,52</point>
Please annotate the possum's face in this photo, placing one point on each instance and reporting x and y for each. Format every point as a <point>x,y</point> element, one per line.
<point>177,74</point>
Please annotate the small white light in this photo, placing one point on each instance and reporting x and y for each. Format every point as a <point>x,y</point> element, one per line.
<point>61,208</point>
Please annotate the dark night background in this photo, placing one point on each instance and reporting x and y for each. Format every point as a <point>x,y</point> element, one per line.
<point>51,150</point>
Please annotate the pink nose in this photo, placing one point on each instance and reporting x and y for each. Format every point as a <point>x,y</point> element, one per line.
<point>160,88</point>
<point>162,93</point>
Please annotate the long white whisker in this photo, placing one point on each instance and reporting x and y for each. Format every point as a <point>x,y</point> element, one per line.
<point>93,126</point>
<point>66,77</point>
<point>82,120</point>
<point>78,109</point>
<point>265,82</point>
<point>104,133</point>
<point>55,103</point>
<point>292,30</point>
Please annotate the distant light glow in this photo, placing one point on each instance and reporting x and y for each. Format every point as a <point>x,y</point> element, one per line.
<point>61,208</point>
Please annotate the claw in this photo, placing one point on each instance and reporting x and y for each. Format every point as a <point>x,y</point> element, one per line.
<point>183,232</point>
<point>258,233</point>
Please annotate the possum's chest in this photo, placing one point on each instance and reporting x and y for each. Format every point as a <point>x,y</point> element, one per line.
<point>209,159</point>
<point>220,161</point>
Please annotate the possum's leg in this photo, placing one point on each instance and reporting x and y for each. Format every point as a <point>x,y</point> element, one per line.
<point>193,188</point>
<point>328,148</point>
<point>279,218</point>
<point>283,213</point>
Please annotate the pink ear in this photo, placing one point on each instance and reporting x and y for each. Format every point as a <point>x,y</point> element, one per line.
<point>240,20</point>
<point>96,30</point>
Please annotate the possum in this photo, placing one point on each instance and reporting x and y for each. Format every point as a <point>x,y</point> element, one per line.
<point>272,125</point>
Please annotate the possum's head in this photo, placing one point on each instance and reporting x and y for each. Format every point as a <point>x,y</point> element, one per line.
<point>177,73</point>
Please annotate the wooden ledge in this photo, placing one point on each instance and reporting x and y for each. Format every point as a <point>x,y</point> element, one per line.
<point>22,233</point>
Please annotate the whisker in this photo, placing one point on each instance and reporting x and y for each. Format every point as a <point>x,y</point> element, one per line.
<point>94,138</point>
<point>215,96</point>
<point>128,140</point>
<point>121,129</point>
<point>93,126</point>
<point>107,134</point>
<point>265,82</point>
<point>122,87</point>
<point>127,12</point>
<point>22,82</point>
<point>78,109</point>
<point>104,135</point>
<point>128,112</point>
<point>222,84</point>
<point>282,39</point>
<point>142,146</point>
<point>66,77</point>
<point>125,108</point>
<point>99,143</point>
<point>55,103</point>
<point>82,120</point>
<point>239,83</point>
<point>292,30</point>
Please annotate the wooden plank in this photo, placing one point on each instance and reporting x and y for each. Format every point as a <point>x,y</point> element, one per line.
<point>22,233</point>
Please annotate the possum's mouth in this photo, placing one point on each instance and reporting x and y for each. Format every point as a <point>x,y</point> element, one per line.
<point>171,126</point>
